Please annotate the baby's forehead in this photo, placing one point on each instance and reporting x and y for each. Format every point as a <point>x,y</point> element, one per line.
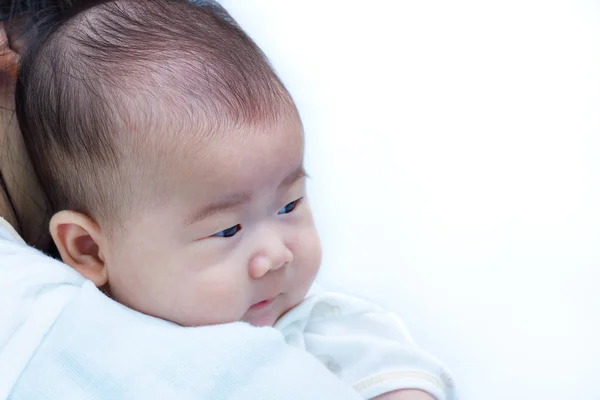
<point>217,159</point>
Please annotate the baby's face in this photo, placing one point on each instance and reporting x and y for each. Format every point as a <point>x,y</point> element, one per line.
<point>234,240</point>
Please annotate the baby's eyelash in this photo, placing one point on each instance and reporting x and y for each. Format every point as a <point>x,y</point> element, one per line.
<point>229,232</point>
<point>290,207</point>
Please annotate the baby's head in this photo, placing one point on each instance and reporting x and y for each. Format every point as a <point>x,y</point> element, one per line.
<point>173,158</point>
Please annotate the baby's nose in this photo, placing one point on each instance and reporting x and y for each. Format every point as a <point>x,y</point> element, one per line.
<point>261,264</point>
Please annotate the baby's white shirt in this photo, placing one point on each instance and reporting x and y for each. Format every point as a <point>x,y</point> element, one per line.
<point>365,346</point>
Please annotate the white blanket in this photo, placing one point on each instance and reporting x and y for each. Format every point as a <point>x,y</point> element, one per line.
<point>60,338</point>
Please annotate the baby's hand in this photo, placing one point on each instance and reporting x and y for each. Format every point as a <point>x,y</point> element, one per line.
<point>405,394</point>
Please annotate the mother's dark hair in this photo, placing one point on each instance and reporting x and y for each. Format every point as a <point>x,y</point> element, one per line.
<point>33,8</point>
<point>19,16</point>
<point>24,203</point>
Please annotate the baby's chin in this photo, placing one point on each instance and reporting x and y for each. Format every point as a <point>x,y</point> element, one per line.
<point>262,321</point>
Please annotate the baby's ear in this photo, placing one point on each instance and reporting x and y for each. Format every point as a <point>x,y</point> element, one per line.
<point>78,239</point>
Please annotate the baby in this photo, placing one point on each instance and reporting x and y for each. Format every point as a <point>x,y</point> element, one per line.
<point>172,156</point>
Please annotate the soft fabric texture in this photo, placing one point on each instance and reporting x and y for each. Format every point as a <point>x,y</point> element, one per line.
<point>364,345</point>
<point>60,337</point>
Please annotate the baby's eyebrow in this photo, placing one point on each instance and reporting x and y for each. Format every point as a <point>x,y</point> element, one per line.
<point>298,174</point>
<point>232,201</point>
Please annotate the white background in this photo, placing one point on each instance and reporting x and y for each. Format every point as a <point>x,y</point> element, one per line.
<point>454,148</point>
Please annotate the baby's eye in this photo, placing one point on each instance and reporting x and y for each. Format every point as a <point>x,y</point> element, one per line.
<point>288,208</point>
<point>229,232</point>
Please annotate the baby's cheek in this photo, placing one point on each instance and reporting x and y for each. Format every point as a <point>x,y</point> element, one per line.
<point>308,253</point>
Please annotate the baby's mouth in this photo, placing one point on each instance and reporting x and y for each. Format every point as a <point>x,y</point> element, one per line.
<point>263,304</point>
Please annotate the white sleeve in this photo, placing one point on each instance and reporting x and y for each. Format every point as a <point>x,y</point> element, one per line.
<point>364,345</point>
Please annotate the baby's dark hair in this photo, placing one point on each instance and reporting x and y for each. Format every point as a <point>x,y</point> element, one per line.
<point>97,77</point>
